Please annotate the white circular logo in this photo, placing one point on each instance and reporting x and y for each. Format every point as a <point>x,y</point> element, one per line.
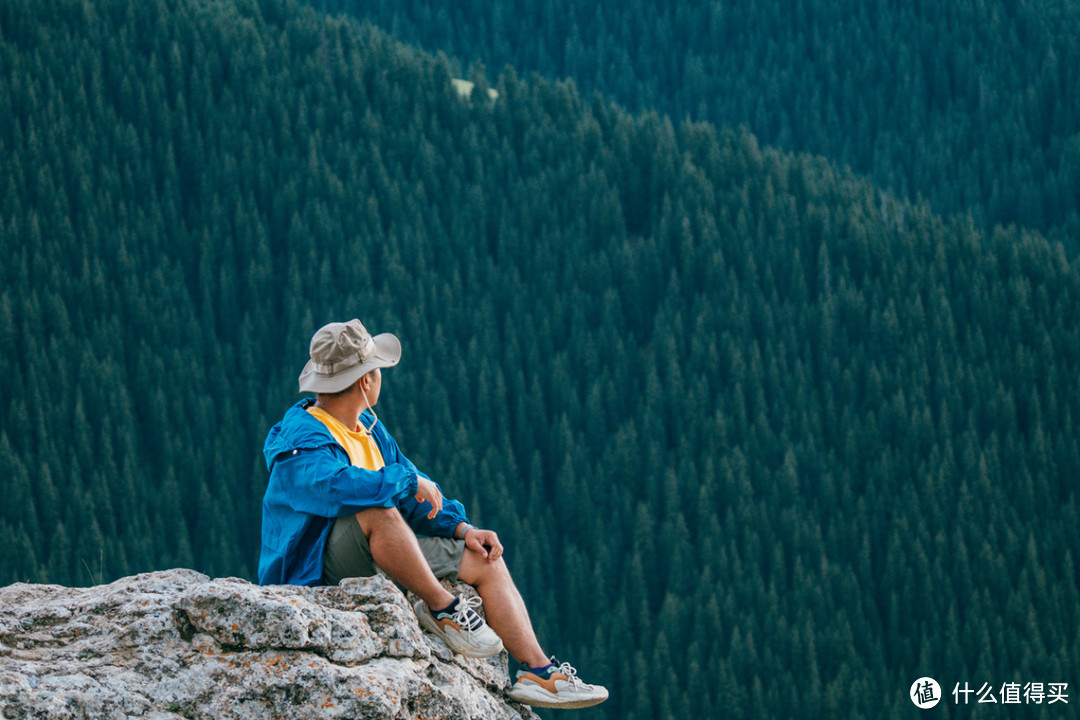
<point>925,693</point>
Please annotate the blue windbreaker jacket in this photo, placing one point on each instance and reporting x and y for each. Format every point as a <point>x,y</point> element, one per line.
<point>312,483</point>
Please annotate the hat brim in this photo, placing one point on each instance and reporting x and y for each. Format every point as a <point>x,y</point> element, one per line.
<point>387,354</point>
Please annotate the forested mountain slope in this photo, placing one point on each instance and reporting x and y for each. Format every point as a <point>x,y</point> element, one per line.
<point>760,442</point>
<point>974,106</point>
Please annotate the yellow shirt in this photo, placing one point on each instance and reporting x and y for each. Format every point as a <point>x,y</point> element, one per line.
<point>361,447</point>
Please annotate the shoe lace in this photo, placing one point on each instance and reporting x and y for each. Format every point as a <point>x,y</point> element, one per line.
<point>570,672</point>
<point>465,615</point>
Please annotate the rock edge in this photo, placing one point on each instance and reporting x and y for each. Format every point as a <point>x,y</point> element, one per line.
<point>178,644</point>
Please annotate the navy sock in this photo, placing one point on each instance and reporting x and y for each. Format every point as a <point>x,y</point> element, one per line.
<point>448,608</point>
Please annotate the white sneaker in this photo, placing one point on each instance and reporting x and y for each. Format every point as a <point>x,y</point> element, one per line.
<point>462,628</point>
<point>556,687</point>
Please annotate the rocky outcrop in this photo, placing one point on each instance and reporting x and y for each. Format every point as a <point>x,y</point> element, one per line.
<point>177,644</point>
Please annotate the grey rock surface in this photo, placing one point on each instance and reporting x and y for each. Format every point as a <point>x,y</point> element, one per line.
<point>177,644</point>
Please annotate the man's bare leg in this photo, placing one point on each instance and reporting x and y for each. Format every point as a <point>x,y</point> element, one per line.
<point>505,609</point>
<point>395,550</point>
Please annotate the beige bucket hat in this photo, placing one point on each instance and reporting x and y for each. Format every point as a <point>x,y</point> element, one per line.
<point>343,352</point>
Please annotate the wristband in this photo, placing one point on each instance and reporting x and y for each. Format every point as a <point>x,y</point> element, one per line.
<point>465,531</point>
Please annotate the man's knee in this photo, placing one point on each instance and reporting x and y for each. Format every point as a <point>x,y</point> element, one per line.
<point>378,518</point>
<point>476,569</point>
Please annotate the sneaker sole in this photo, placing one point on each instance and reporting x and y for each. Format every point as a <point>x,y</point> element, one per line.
<point>429,623</point>
<point>538,697</point>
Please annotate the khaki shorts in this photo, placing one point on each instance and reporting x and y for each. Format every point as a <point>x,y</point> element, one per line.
<point>347,553</point>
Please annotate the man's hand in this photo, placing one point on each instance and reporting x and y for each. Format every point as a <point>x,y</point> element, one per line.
<point>485,542</point>
<point>427,491</point>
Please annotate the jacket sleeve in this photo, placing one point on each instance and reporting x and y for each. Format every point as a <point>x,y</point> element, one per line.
<point>319,481</point>
<point>443,524</point>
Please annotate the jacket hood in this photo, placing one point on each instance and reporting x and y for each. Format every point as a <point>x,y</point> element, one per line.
<point>298,430</point>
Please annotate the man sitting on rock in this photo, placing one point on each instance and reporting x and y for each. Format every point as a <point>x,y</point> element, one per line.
<point>343,501</point>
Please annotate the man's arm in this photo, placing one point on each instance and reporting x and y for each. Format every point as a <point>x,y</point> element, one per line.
<point>320,482</point>
<point>442,523</point>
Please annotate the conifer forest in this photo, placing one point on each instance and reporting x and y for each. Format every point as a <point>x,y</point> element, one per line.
<point>753,328</point>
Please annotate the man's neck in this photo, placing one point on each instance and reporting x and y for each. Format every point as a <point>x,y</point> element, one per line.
<point>344,409</point>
